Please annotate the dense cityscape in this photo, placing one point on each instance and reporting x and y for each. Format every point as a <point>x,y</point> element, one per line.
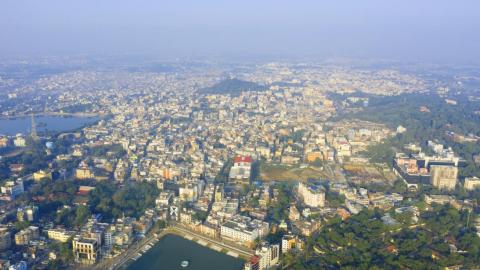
<point>282,165</point>
<point>239,135</point>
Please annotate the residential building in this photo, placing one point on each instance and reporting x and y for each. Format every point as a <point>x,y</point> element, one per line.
<point>5,239</point>
<point>60,235</point>
<point>24,236</point>
<point>269,255</point>
<point>42,174</point>
<point>471,183</point>
<point>12,189</point>
<point>443,176</point>
<point>243,230</point>
<point>290,242</point>
<point>311,195</point>
<point>27,213</point>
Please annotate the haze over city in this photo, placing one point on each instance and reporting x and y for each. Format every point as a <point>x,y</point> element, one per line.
<point>431,31</point>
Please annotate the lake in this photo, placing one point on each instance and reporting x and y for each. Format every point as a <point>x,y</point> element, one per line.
<point>13,126</point>
<point>171,250</point>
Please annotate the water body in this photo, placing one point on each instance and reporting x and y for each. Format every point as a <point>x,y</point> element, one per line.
<point>13,126</point>
<point>171,250</point>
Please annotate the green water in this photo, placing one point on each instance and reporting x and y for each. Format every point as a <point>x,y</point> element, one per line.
<point>171,250</point>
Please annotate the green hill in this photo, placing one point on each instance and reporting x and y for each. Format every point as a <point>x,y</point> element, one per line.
<point>232,87</point>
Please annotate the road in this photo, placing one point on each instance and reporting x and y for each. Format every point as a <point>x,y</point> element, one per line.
<point>120,260</point>
<point>242,251</point>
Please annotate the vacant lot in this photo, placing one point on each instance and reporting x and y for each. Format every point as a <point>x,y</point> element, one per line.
<point>280,172</point>
<point>368,172</point>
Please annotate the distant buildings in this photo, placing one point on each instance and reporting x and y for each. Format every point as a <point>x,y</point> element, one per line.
<point>24,236</point>
<point>27,213</point>
<point>12,189</point>
<point>440,170</point>
<point>439,199</point>
<point>4,142</point>
<point>19,141</point>
<point>84,172</point>
<point>5,239</point>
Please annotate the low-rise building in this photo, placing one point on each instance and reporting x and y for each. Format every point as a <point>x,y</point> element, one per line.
<point>472,183</point>
<point>5,239</point>
<point>12,189</point>
<point>42,174</point>
<point>24,236</point>
<point>60,235</point>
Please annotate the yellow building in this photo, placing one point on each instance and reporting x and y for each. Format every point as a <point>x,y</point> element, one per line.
<point>472,183</point>
<point>84,173</point>
<point>60,235</point>
<point>37,176</point>
<point>312,156</point>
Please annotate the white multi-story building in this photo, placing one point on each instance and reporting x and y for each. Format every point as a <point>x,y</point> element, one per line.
<point>242,165</point>
<point>13,188</point>
<point>243,229</point>
<point>312,195</point>
<point>472,183</point>
<point>443,176</point>
<point>269,255</point>
<point>60,235</point>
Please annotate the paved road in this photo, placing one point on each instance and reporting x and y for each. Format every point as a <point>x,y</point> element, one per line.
<point>222,244</point>
<point>118,261</point>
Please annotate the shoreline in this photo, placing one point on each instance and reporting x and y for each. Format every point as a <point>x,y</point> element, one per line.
<point>204,241</point>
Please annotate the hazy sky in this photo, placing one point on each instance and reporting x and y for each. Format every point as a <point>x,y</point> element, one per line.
<point>423,30</point>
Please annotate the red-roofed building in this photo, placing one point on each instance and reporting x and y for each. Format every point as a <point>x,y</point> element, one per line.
<point>242,160</point>
<point>253,263</point>
<point>84,190</point>
<point>241,168</point>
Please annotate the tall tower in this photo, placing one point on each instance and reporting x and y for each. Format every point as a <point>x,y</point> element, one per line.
<point>33,129</point>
